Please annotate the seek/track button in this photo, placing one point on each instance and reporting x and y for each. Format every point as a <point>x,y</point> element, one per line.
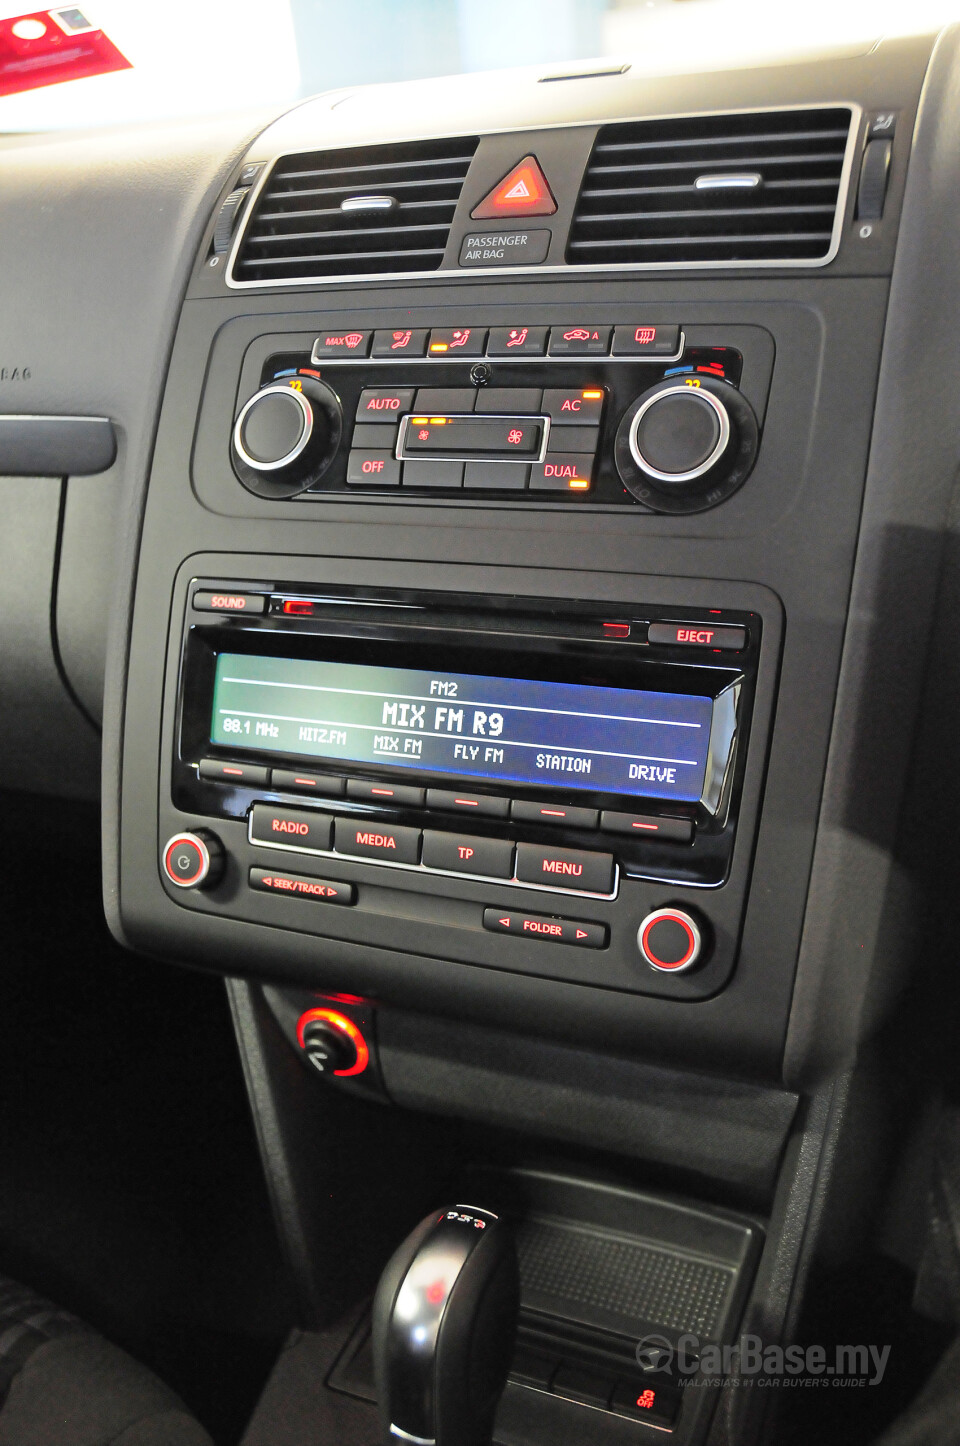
<point>565,868</point>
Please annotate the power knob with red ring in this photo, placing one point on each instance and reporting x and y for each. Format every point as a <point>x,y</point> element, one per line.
<point>333,1042</point>
<point>671,940</point>
<point>193,860</point>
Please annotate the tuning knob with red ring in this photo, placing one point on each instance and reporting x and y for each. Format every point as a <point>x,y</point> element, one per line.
<point>333,1042</point>
<point>193,860</point>
<point>670,940</point>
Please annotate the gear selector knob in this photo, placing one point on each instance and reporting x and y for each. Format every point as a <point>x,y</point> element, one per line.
<point>444,1321</point>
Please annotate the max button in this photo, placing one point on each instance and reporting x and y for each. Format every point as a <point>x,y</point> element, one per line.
<point>292,828</point>
<point>542,926</point>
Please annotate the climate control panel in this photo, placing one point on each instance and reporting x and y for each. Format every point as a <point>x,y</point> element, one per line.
<point>575,414</point>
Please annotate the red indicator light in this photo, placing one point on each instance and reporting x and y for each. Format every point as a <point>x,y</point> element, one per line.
<point>306,372</point>
<point>347,998</point>
<point>644,335</point>
<point>515,436</point>
<point>298,607</point>
<point>616,630</point>
<point>647,1400</point>
<point>522,192</point>
<point>436,1292</point>
<point>346,1026</point>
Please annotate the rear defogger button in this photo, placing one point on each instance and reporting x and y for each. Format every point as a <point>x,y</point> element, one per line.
<point>588,873</point>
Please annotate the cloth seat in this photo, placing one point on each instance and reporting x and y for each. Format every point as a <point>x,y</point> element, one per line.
<point>62,1384</point>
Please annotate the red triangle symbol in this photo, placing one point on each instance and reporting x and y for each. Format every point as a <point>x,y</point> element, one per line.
<point>581,933</point>
<point>522,192</point>
<point>504,922</point>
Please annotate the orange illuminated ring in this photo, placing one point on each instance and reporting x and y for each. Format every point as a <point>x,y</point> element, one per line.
<point>346,1026</point>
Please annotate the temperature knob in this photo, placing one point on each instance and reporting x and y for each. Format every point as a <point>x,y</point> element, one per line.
<point>686,444</point>
<point>286,436</point>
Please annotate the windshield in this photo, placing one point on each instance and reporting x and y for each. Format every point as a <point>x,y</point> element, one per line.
<point>116,61</point>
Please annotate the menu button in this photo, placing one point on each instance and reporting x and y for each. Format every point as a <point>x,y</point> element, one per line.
<point>565,869</point>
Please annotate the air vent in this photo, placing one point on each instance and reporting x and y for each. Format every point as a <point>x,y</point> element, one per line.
<point>359,212</point>
<point>711,190</point>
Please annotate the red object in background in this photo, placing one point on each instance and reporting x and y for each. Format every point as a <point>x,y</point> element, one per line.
<point>45,47</point>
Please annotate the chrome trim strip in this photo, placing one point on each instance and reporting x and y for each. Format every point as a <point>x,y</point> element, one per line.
<point>428,872</point>
<point>747,181</point>
<point>416,1440</point>
<point>307,420</point>
<point>460,273</point>
<point>721,748</point>
<point>406,420</point>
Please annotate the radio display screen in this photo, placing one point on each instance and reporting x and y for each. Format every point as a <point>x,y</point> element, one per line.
<point>500,730</point>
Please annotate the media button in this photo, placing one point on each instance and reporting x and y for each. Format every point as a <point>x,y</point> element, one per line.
<point>481,805</point>
<point>301,886</point>
<point>384,404</point>
<point>373,469</point>
<point>328,784</point>
<point>698,635</point>
<point>400,795</point>
<point>526,811</point>
<point>458,341</point>
<point>573,406</point>
<point>648,825</point>
<point>493,476</point>
<point>517,341</point>
<point>565,868</point>
<point>383,842</point>
<point>563,472</point>
<point>541,926</point>
<point>400,343</point>
<point>245,775</point>
<point>653,341</point>
<point>507,401</point>
<point>340,344</point>
<point>458,853</point>
<point>292,828</point>
<point>580,340</point>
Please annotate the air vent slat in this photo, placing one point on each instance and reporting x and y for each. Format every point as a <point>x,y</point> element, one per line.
<point>298,231</point>
<point>639,201</point>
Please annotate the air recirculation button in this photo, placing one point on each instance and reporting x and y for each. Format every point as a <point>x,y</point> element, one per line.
<point>286,436</point>
<point>686,444</point>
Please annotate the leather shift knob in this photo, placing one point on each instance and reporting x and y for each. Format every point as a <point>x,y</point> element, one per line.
<point>444,1321</point>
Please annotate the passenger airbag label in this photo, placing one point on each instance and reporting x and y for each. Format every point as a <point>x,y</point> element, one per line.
<point>505,248</point>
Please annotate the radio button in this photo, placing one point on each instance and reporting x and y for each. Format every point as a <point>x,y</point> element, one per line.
<point>573,439</point>
<point>481,805</point>
<point>229,602</point>
<point>292,828</point>
<point>400,343</point>
<point>540,926</point>
<point>301,886</point>
<point>565,868</point>
<point>441,400</point>
<point>377,841</point>
<point>698,635</point>
<point>517,341</point>
<point>573,406</point>
<point>373,469</point>
<point>458,853</point>
<point>525,811</point>
<point>384,404</point>
<point>648,825</point>
<point>401,795</point>
<point>508,400</point>
<point>328,784</point>
<point>437,472</point>
<point>580,340</point>
<point>507,476</point>
<point>251,775</point>
<point>563,472</point>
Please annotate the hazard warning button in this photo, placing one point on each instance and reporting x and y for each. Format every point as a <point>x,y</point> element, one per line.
<point>522,192</point>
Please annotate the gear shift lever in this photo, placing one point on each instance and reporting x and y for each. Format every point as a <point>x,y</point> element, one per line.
<point>444,1320</point>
